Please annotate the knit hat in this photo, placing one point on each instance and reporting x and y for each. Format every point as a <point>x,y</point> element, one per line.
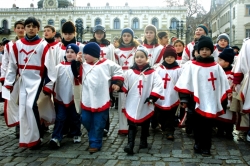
<point>73,47</point>
<point>58,34</point>
<point>161,34</point>
<point>68,27</point>
<point>169,51</point>
<point>93,49</point>
<point>142,49</point>
<point>205,41</point>
<point>236,47</point>
<point>128,30</point>
<point>99,27</point>
<point>228,55</point>
<point>203,27</point>
<point>150,27</point>
<point>223,36</point>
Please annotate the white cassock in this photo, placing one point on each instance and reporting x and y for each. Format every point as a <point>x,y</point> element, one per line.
<point>209,85</point>
<point>187,53</point>
<point>107,52</point>
<point>155,53</point>
<point>125,58</point>
<point>169,78</point>
<point>33,54</point>
<point>139,86</point>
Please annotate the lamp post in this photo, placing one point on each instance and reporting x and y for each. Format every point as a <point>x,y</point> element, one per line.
<point>180,29</point>
<point>80,30</point>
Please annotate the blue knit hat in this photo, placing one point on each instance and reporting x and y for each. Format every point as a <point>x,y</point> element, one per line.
<point>128,30</point>
<point>92,49</point>
<point>203,27</point>
<point>223,36</point>
<point>73,47</point>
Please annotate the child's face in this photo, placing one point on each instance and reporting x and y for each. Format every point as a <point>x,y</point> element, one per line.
<point>89,59</point>
<point>99,35</point>
<point>149,35</point>
<point>223,63</point>
<point>169,59</point>
<point>178,47</point>
<point>68,36</point>
<point>222,43</point>
<point>70,54</point>
<point>58,39</point>
<point>48,33</point>
<point>205,52</point>
<point>199,32</point>
<point>19,30</point>
<point>126,38</point>
<point>140,58</point>
<point>31,30</point>
<point>164,40</point>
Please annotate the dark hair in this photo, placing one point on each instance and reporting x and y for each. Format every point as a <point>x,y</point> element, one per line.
<point>155,41</point>
<point>134,42</point>
<point>179,41</point>
<point>19,22</point>
<point>32,20</point>
<point>50,27</point>
<point>103,41</point>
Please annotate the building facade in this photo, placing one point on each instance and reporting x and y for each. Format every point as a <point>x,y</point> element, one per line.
<point>114,18</point>
<point>231,17</point>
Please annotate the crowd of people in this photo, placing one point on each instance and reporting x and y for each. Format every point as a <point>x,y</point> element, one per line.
<point>153,83</point>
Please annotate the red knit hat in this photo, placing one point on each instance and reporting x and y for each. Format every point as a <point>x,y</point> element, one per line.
<point>169,51</point>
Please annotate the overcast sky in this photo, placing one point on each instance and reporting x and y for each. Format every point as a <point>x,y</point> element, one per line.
<point>26,3</point>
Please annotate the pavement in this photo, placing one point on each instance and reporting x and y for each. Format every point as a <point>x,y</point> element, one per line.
<point>161,152</point>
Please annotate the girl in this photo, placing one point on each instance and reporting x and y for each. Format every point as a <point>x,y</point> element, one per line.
<point>155,51</point>
<point>169,71</point>
<point>163,38</point>
<point>143,87</point>
<point>179,47</point>
<point>124,55</point>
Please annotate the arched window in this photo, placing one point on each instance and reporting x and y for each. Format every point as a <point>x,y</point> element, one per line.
<point>62,22</point>
<point>135,24</point>
<point>5,24</point>
<point>174,23</point>
<point>98,21</point>
<point>51,22</point>
<point>116,23</point>
<point>155,22</point>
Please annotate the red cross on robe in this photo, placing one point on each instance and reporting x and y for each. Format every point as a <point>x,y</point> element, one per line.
<point>212,79</point>
<point>166,79</point>
<point>102,54</point>
<point>26,60</point>
<point>126,63</point>
<point>140,86</point>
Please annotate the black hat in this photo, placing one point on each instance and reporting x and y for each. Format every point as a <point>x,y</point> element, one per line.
<point>58,34</point>
<point>68,27</point>
<point>5,41</point>
<point>236,47</point>
<point>93,49</point>
<point>228,55</point>
<point>205,41</point>
<point>99,27</point>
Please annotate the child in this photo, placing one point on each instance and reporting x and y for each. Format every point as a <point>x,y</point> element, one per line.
<point>143,87</point>
<point>179,47</point>
<point>222,43</point>
<point>64,100</point>
<point>236,50</point>
<point>27,60</point>
<point>155,51</point>
<point>203,87</point>
<point>226,121</point>
<point>169,71</point>
<point>98,76</point>
<point>124,55</point>
<point>163,38</point>
<point>58,37</point>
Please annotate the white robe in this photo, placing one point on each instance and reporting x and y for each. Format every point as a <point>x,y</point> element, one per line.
<point>139,86</point>
<point>155,53</point>
<point>187,53</point>
<point>29,83</point>
<point>209,85</point>
<point>107,52</point>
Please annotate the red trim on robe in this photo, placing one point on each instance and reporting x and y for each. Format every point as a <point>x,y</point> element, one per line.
<point>117,78</point>
<point>122,131</point>
<point>31,67</point>
<point>157,95</point>
<point>29,145</point>
<point>183,90</point>
<point>150,71</point>
<point>46,89</point>
<point>168,108</point>
<point>100,109</point>
<point>196,99</point>
<point>233,120</point>
<point>187,52</point>
<point>150,46</point>
<point>6,114</point>
<point>140,120</point>
<point>65,63</point>
<point>160,55</point>
<point>204,64</point>
<point>209,115</point>
<point>30,43</point>
<point>66,105</point>
<point>2,79</point>
<point>126,48</point>
<point>124,89</point>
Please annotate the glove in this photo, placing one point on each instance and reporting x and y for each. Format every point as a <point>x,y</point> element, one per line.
<point>75,66</point>
<point>151,100</point>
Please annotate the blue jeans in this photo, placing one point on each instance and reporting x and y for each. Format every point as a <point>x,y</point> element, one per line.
<point>62,113</point>
<point>95,123</point>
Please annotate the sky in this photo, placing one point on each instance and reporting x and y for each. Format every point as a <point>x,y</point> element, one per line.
<point>26,3</point>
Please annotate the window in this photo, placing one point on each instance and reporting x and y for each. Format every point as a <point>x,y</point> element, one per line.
<point>5,24</point>
<point>247,33</point>
<point>234,13</point>
<point>135,23</point>
<point>174,23</point>
<point>51,22</point>
<point>98,21</point>
<point>155,23</point>
<point>248,10</point>
<point>62,22</point>
<point>116,23</point>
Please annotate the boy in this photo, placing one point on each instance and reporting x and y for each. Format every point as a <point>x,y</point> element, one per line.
<point>203,87</point>
<point>27,60</point>
<point>222,43</point>
<point>58,37</point>
<point>98,76</point>
<point>226,121</point>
